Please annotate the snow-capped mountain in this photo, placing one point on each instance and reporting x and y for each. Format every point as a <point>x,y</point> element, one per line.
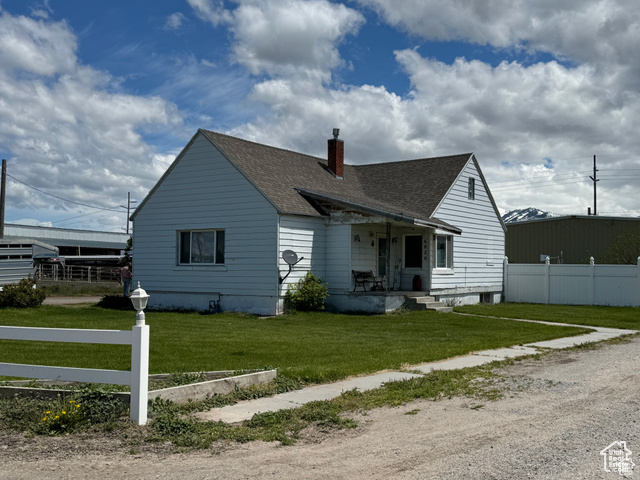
<point>521,214</point>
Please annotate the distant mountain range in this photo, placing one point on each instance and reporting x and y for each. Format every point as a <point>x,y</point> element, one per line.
<point>526,214</point>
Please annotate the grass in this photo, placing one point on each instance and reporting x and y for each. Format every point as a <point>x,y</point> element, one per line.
<point>610,317</point>
<point>69,289</point>
<point>313,347</point>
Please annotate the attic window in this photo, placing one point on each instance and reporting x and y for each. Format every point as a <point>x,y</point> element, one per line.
<point>201,247</point>
<point>472,189</point>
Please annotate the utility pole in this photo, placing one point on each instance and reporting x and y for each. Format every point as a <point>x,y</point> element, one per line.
<point>595,180</point>
<point>129,202</point>
<point>3,195</point>
<point>128,209</point>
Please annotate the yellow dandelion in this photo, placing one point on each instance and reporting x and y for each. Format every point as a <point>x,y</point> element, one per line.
<point>64,413</point>
<point>72,401</point>
<point>57,416</point>
<point>44,419</point>
<point>77,406</point>
<point>47,413</point>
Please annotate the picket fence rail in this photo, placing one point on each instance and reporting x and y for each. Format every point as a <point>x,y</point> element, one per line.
<point>137,378</point>
<point>561,284</point>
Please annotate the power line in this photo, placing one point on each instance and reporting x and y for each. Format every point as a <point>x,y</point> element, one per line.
<point>507,188</point>
<point>63,199</point>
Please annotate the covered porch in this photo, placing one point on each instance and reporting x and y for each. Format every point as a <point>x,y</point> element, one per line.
<point>400,258</point>
<point>399,249</point>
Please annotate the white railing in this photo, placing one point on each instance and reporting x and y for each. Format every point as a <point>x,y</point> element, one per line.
<point>613,285</point>
<point>81,273</point>
<point>137,378</point>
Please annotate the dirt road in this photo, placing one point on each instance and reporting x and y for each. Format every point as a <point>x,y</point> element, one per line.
<point>560,413</point>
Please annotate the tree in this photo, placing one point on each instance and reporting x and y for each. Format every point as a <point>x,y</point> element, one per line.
<point>624,250</point>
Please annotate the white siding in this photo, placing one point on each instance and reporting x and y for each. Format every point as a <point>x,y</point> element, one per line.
<point>205,191</point>
<point>306,236</point>
<point>479,251</point>
<point>338,257</point>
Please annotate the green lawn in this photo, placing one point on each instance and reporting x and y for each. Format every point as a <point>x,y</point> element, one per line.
<point>612,317</point>
<point>315,347</point>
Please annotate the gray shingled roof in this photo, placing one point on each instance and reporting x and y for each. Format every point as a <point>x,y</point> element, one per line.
<point>410,189</point>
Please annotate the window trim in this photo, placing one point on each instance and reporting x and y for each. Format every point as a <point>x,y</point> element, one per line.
<point>448,261</point>
<point>471,189</point>
<point>218,238</point>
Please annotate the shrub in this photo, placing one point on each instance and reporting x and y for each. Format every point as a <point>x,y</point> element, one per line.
<point>23,294</point>
<point>308,295</point>
<point>116,302</point>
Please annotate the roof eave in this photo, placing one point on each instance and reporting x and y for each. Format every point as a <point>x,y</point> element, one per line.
<point>398,217</point>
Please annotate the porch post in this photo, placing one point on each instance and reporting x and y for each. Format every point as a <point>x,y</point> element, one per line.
<point>388,266</point>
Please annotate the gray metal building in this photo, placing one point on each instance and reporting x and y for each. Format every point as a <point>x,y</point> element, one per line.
<point>572,239</point>
<point>70,242</point>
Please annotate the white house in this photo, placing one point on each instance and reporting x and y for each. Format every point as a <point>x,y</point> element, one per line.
<point>213,230</point>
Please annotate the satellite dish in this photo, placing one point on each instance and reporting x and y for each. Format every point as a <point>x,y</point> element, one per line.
<point>290,257</point>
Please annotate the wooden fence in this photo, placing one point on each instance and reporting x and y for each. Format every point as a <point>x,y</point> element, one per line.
<point>612,285</point>
<point>137,378</point>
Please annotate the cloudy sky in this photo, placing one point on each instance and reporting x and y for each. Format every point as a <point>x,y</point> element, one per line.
<point>97,98</point>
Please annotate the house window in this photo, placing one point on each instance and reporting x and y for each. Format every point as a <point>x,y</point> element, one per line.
<point>201,247</point>
<point>444,251</point>
<point>472,189</point>
<point>413,251</point>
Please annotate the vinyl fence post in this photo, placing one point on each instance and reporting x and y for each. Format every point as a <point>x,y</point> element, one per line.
<point>505,278</point>
<point>638,283</point>
<point>592,273</point>
<point>139,374</point>
<point>547,276</point>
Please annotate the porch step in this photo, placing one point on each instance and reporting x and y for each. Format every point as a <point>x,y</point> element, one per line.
<point>426,303</point>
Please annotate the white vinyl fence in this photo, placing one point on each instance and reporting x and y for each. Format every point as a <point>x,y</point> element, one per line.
<point>137,378</point>
<point>613,285</point>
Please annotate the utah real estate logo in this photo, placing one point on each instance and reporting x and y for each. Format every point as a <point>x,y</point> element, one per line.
<point>617,459</point>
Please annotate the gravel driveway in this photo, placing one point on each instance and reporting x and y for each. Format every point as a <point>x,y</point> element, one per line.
<point>557,416</point>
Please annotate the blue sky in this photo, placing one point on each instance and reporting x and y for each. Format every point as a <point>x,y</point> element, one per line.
<point>97,99</point>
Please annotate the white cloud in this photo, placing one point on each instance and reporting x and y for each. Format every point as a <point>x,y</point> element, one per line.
<point>285,37</point>
<point>211,11</point>
<point>174,21</point>
<point>594,31</point>
<point>35,46</point>
<point>292,37</point>
<point>69,129</point>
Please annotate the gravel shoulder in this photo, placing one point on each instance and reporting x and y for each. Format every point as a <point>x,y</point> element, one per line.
<point>558,414</point>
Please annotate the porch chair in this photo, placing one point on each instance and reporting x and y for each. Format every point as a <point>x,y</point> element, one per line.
<point>362,277</point>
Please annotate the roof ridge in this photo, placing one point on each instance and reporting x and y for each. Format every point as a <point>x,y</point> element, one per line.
<point>263,144</point>
<point>442,157</point>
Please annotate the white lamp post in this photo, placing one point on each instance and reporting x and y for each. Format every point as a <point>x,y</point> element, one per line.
<point>139,299</point>
<point>139,359</point>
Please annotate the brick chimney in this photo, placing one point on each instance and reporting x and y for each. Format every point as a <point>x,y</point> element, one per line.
<point>336,154</point>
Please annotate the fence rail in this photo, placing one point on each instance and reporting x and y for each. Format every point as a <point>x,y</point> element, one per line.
<point>137,378</point>
<point>611,285</point>
<point>80,273</point>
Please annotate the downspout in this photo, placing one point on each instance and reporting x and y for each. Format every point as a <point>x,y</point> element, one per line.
<point>388,260</point>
